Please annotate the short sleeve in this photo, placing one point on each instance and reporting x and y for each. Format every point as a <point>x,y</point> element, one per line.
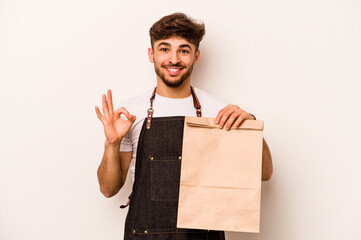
<point>126,144</point>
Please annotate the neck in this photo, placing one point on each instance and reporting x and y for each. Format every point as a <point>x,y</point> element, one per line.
<point>182,91</point>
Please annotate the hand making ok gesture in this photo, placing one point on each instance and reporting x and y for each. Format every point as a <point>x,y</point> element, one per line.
<point>115,128</point>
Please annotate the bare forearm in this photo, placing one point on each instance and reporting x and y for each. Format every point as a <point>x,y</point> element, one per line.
<point>267,167</point>
<point>109,171</point>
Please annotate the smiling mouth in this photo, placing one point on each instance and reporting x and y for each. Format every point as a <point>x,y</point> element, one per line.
<point>173,70</point>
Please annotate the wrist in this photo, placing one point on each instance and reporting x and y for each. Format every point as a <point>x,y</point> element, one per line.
<point>113,144</point>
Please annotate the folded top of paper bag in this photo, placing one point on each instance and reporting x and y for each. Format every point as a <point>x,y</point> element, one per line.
<point>211,123</point>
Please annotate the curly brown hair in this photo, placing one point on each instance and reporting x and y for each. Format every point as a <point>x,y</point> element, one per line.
<point>179,25</point>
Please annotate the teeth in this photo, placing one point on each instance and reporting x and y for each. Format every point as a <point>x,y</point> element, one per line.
<point>173,69</point>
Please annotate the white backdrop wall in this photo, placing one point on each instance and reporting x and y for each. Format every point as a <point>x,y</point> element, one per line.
<point>294,64</point>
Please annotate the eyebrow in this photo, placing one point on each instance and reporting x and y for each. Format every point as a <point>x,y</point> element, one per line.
<point>181,46</point>
<point>185,45</point>
<point>164,43</point>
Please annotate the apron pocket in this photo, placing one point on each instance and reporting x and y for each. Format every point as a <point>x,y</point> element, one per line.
<point>165,178</point>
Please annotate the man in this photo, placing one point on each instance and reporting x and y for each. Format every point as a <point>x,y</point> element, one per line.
<point>149,138</point>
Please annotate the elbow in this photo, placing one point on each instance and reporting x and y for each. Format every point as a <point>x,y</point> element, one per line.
<point>267,176</point>
<point>109,187</point>
<point>110,190</point>
<point>108,193</point>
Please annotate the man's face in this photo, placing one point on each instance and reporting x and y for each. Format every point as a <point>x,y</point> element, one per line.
<point>173,60</point>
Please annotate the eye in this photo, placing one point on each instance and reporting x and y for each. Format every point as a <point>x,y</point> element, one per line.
<point>163,49</point>
<point>184,51</point>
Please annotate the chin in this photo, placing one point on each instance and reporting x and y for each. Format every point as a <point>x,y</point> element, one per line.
<point>174,83</point>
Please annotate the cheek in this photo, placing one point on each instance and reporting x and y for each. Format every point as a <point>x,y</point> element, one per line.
<point>160,59</point>
<point>188,60</point>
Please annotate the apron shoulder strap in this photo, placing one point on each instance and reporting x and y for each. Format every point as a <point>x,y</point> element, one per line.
<point>150,110</point>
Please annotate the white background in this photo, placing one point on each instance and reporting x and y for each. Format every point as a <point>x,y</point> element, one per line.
<point>294,64</point>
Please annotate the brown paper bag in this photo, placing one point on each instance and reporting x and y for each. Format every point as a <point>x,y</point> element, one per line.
<point>220,186</point>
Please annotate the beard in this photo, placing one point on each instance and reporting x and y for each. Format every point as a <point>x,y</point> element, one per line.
<point>174,83</point>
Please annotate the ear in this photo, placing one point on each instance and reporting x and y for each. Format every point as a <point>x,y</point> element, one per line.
<point>150,55</point>
<point>196,58</point>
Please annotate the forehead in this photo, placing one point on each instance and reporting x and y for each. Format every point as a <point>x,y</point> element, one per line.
<point>174,42</point>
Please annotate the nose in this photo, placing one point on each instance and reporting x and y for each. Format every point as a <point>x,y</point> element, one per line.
<point>174,58</point>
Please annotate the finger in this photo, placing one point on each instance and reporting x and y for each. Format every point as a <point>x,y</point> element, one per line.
<point>221,112</point>
<point>232,118</point>
<point>132,118</point>
<point>124,111</point>
<point>250,116</point>
<point>240,119</point>
<point>110,101</point>
<point>105,105</point>
<point>100,116</point>
<point>225,116</point>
